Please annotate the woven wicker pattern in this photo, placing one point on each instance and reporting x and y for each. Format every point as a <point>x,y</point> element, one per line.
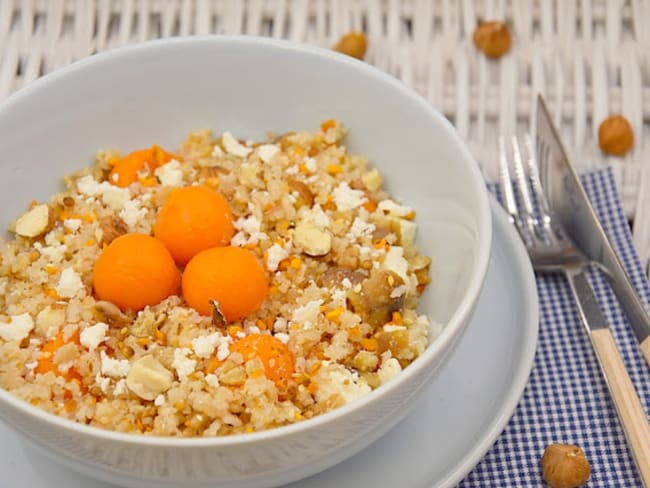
<point>589,57</point>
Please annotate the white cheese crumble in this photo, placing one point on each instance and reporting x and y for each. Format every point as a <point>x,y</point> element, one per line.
<point>131,213</point>
<point>212,380</point>
<point>53,253</point>
<point>388,370</point>
<point>274,255</point>
<point>203,346</point>
<point>392,208</point>
<point>223,348</point>
<point>183,365</point>
<point>360,229</point>
<point>249,231</point>
<point>280,324</point>
<point>116,368</point>
<point>73,225</point>
<point>282,337</point>
<point>310,164</point>
<point>217,152</point>
<point>70,284</point>
<point>170,174</point>
<point>113,196</point>
<point>398,291</point>
<point>233,146</point>
<point>103,382</point>
<point>159,401</point>
<point>316,216</point>
<point>307,313</point>
<point>93,336</point>
<point>120,387</point>
<point>18,328</point>
<point>347,198</point>
<point>342,382</point>
<point>267,152</point>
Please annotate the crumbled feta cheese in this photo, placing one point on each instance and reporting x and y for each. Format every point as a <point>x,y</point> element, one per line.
<point>103,382</point>
<point>93,336</point>
<point>232,145</point>
<point>113,196</point>
<point>223,347</point>
<point>54,253</point>
<point>72,225</point>
<point>212,380</point>
<point>159,401</point>
<point>292,170</point>
<point>360,228</point>
<point>120,387</point>
<point>203,346</point>
<point>267,152</point>
<point>310,164</point>
<point>347,198</point>
<point>394,261</point>
<point>217,152</point>
<point>280,324</point>
<point>70,283</point>
<point>131,214</point>
<point>18,328</point>
<point>343,382</point>
<point>183,365</point>
<point>115,368</point>
<point>31,365</point>
<point>170,174</point>
<point>250,231</point>
<point>308,312</point>
<point>274,255</point>
<point>282,337</point>
<point>393,208</point>
<point>346,283</point>
<point>339,296</point>
<point>316,216</point>
<point>388,370</point>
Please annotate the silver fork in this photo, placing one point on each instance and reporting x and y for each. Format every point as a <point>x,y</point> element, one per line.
<point>551,251</point>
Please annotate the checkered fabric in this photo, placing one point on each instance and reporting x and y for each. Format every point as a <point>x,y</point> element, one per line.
<point>566,399</point>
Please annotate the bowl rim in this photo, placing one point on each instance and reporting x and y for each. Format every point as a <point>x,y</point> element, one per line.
<point>442,342</point>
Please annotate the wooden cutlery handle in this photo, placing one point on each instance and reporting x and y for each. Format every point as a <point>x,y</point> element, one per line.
<point>626,400</point>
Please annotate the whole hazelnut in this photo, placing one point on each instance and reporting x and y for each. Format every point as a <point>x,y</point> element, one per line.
<point>565,466</point>
<point>353,44</point>
<point>615,135</point>
<point>492,38</point>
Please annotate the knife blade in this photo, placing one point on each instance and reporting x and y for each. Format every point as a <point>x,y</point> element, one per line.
<point>569,203</point>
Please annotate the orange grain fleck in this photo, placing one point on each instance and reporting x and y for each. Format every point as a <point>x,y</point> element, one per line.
<point>327,125</point>
<point>213,364</point>
<point>295,263</point>
<point>397,319</point>
<point>302,167</point>
<point>334,169</point>
<point>409,216</point>
<point>312,388</point>
<point>334,315</point>
<point>233,330</point>
<point>89,243</point>
<point>369,344</point>
<point>52,270</point>
<point>143,341</point>
<point>261,324</point>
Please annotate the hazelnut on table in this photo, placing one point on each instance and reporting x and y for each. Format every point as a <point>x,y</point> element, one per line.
<point>565,466</point>
<point>615,135</point>
<point>353,44</point>
<point>492,38</point>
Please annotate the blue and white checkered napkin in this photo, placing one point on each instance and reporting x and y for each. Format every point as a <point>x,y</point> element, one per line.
<point>566,399</point>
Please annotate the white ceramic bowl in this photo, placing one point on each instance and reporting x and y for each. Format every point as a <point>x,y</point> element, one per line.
<point>160,91</point>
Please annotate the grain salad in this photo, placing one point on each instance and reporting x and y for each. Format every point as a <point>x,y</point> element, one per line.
<point>230,287</point>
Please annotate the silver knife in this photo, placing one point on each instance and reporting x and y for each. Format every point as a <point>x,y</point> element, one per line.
<point>570,204</point>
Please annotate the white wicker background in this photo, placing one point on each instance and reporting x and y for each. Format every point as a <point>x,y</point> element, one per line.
<point>589,57</point>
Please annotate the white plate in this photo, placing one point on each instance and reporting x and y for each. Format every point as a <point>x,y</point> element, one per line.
<point>468,404</point>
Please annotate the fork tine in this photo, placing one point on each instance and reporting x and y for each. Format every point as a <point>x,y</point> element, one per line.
<point>541,154</point>
<point>507,192</point>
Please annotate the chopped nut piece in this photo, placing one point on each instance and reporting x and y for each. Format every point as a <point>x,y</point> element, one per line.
<point>335,275</point>
<point>492,38</point>
<point>35,222</point>
<point>112,227</point>
<point>49,317</point>
<point>218,318</point>
<point>565,466</point>
<point>148,378</point>
<point>66,353</point>
<point>306,197</point>
<point>353,44</point>
<point>375,302</point>
<point>110,312</point>
<point>615,135</point>
<point>312,240</point>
